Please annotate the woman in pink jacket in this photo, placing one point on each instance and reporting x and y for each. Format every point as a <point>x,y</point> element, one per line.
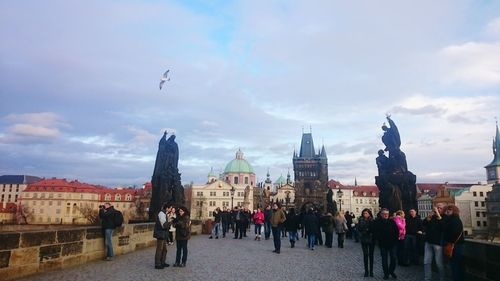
<point>400,221</point>
<point>258,220</point>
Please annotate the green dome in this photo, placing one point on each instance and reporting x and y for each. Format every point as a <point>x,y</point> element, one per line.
<point>280,181</point>
<point>238,165</point>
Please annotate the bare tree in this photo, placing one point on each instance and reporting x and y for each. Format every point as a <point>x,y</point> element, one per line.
<point>90,214</point>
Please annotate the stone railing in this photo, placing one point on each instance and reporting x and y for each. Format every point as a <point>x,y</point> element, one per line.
<point>29,252</point>
<point>24,253</point>
<point>482,260</point>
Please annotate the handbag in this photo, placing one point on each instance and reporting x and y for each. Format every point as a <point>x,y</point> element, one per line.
<point>448,248</point>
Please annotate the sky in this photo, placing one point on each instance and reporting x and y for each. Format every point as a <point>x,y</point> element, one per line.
<point>80,97</point>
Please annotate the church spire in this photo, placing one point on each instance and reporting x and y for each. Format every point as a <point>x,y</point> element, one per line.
<point>493,169</point>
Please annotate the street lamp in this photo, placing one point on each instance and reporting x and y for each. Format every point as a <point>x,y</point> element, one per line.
<point>232,196</point>
<point>339,195</point>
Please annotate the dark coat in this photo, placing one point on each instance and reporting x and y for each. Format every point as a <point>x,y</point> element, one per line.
<point>217,216</point>
<point>311,223</point>
<point>225,216</point>
<point>106,217</point>
<point>182,228</point>
<point>327,223</point>
<point>161,231</point>
<point>386,232</point>
<point>292,222</point>
<point>453,228</point>
<point>413,225</point>
<point>433,230</point>
<point>267,215</point>
<point>365,229</point>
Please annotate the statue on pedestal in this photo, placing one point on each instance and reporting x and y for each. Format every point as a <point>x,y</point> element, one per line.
<point>396,184</point>
<point>166,180</point>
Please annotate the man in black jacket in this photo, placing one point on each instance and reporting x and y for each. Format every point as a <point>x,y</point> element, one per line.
<point>160,232</point>
<point>414,228</point>
<point>387,234</point>
<point>106,215</point>
<point>268,213</point>
<point>225,219</point>
<point>433,226</point>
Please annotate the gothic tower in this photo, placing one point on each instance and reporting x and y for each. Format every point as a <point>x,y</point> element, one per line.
<point>311,173</point>
<point>493,169</point>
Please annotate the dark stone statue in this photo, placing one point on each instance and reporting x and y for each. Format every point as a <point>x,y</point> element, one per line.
<point>397,185</point>
<point>331,205</point>
<point>166,180</point>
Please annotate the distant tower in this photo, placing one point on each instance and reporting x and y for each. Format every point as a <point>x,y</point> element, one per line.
<point>310,173</point>
<point>493,169</point>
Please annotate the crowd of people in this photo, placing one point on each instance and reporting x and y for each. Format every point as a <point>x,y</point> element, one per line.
<point>401,238</point>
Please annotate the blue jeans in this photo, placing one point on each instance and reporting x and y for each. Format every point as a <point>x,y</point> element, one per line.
<point>108,242</point>
<point>456,262</point>
<point>267,229</point>
<point>258,228</point>
<point>216,229</point>
<point>292,235</point>
<point>311,240</point>
<point>436,252</point>
<point>277,238</point>
<point>225,228</point>
<point>388,253</point>
<point>182,250</point>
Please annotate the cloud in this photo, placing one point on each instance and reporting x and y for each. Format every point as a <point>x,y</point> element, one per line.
<point>33,127</point>
<point>424,110</point>
<point>471,63</point>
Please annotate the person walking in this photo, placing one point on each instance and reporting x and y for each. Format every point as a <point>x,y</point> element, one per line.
<point>400,221</point>
<point>225,219</point>
<point>258,220</point>
<point>328,223</point>
<point>365,230</point>
<point>311,225</point>
<point>387,234</point>
<point>340,228</point>
<point>453,233</point>
<point>414,228</point>
<point>268,213</point>
<point>433,226</point>
<point>292,224</point>
<point>106,215</point>
<point>237,218</point>
<point>161,233</point>
<point>217,223</point>
<point>183,234</point>
<point>277,220</point>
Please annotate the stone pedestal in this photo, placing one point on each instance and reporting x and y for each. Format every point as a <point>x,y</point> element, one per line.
<point>397,191</point>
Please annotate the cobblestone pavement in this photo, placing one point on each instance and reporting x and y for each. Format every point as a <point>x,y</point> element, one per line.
<point>235,259</point>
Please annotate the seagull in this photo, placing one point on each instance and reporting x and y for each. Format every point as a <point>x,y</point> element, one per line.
<point>164,78</point>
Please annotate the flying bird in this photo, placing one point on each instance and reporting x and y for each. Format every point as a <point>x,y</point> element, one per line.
<point>164,78</point>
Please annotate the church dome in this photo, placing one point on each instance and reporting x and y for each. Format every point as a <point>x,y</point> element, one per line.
<point>238,165</point>
<point>280,181</point>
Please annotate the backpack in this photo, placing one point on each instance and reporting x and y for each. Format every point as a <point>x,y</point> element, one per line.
<point>117,218</point>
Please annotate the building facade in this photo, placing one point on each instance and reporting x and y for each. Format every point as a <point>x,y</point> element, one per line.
<point>11,187</point>
<point>310,174</point>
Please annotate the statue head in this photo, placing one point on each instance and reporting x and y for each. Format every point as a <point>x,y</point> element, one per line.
<point>171,138</point>
<point>384,128</point>
<point>380,152</point>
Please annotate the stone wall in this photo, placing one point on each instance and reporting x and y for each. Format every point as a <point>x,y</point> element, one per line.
<point>24,253</point>
<point>30,252</point>
<point>482,260</point>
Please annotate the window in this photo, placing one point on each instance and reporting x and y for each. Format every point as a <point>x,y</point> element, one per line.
<point>10,188</point>
<point>210,213</point>
<point>213,193</point>
<point>484,214</point>
<point>118,197</point>
<point>236,180</point>
<point>225,193</point>
<point>485,223</point>
<point>15,198</point>
<point>42,195</point>
<point>225,204</point>
<point>3,197</point>
<point>199,193</point>
<point>478,223</point>
<point>482,204</point>
<point>211,203</point>
<point>17,187</point>
<point>35,195</point>
<point>50,203</point>
<point>476,203</point>
<point>474,194</point>
<point>107,197</point>
<point>481,194</point>
<point>58,211</point>
<point>239,204</point>
<point>478,214</point>
<point>246,180</point>
<point>128,197</point>
<point>10,197</point>
<point>59,195</point>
